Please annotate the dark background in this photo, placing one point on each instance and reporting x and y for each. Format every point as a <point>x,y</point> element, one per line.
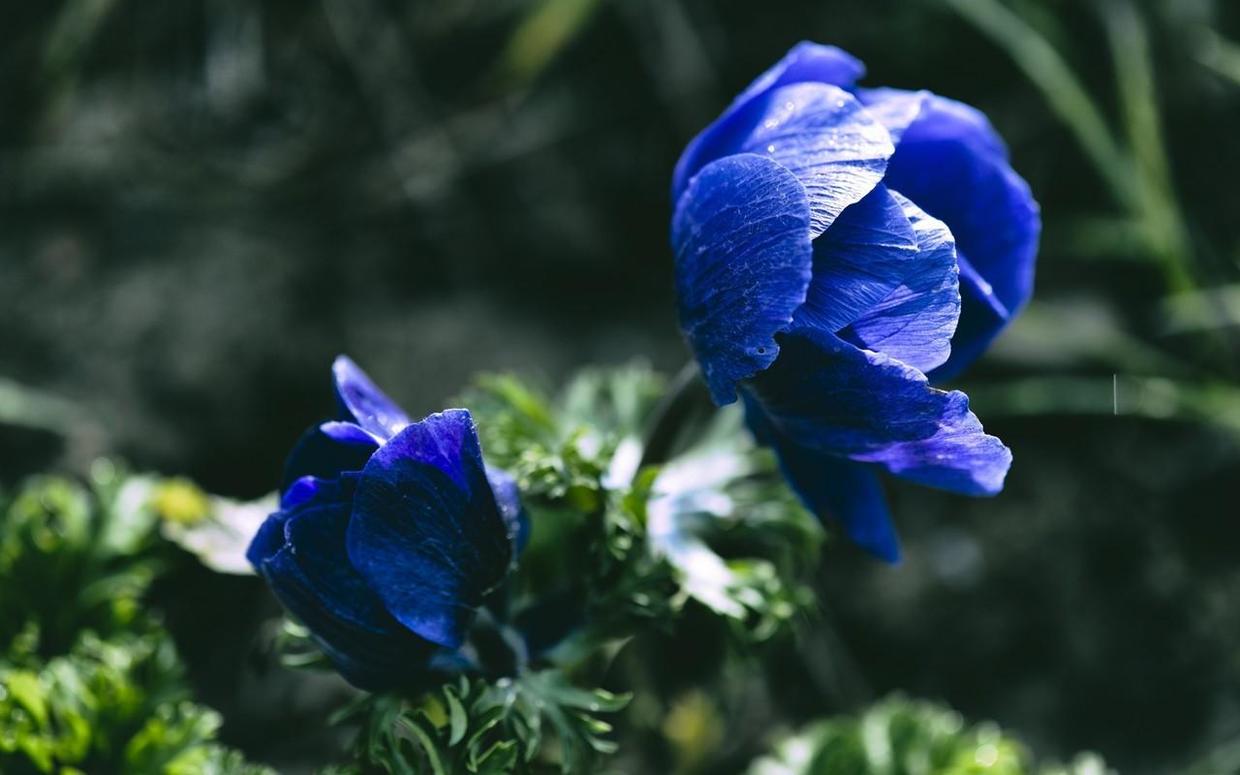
<point>201,203</point>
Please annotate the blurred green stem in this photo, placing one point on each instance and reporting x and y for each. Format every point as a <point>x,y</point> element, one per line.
<point>548,27</point>
<point>1043,66</point>
<point>1139,177</point>
<point>1163,222</point>
<point>1219,54</point>
<point>684,396</point>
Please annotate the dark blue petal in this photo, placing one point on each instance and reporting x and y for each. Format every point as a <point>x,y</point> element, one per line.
<point>311,576</point>
<point>362,402</point>
<point>858,262</point>
<point>268,540</point>
<point>805,62</point>
<point>953,165</point>
<point>743,257</point>
<point>982,317</point>
<point>959,457</point>
<point>822,135</point>
<point>838,490</point>
<point>426,533</point>
<point>915,323</point>
<point>508,498</point>
<point>311,490</point>
<point>827,395</point>
<point>326,450</point>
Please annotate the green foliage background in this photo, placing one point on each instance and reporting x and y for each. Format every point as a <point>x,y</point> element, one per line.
<point>202,202</point>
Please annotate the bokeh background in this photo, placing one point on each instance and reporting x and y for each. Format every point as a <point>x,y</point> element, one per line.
<point>201,203</point>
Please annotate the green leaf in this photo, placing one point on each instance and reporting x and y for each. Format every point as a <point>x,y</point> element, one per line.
<point>109,706</point>
<point>456,714</point>
<point>425,738</point>
<point>500,757</point>
<point>897,736</point>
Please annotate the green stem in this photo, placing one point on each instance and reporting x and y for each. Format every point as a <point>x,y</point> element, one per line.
<point>684,397</point>
<point>1061,89</point>
<point>1160,214</point>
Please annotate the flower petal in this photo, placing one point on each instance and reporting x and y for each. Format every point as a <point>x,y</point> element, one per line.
<point>982,317</point>
<point>822,135</point>
<point>311,576</point>
<point>327,450</point>
<point>836,489</point>
<point>858,262</point>
<point>508,498</point>
<point>362,402</point>
<point>895,109</point>
<point>427,534</point>
<point>953,165</point>
<point>743,256</point>
<point>311,490</point>
<point>915,323</point>
<point>825,394</point>
<point>805,62</point>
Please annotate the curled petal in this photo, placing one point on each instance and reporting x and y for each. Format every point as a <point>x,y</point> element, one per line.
<point>953,165</point>
<point>824,137</point>
<point>362,402</point>
<point>427,534</point>
<point>861,260</point>
<point>805,62</point>
<point>826,394</point>
<point>959,457</point>
<point>743,257</point>
<point>915,322</point>
<point>982,317</point>
<point>895,109</point>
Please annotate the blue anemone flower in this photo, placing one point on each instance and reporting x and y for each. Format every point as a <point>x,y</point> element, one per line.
<point>390,534</point>
<point>838,249</point>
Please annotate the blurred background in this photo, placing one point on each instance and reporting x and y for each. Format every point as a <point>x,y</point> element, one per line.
<point>201,203</point>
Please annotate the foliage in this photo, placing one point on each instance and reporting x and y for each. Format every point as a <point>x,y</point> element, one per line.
<point>109,706</point>
<point>88,681</point>
<point>562,448</point>
<point>713,525</point>
<point>81,555</point>
<point>898,736</point>
<point>511,725</point>
<point>652,540</point>
<point>738,541</point>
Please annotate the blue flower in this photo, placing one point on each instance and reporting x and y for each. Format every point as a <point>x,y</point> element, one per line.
<point>837,249</point>
<point>389,535</point>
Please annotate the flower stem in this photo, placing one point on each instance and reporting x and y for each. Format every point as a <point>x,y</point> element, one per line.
<point>685,396</point>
